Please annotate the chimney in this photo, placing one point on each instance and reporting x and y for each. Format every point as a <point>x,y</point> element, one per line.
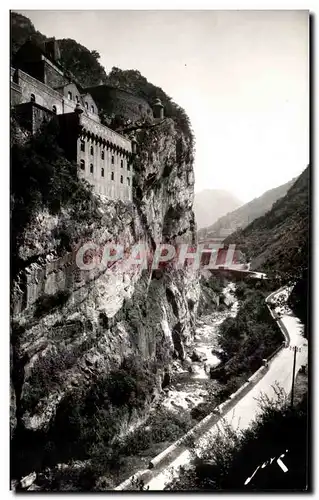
<point>52,50</point>
<point>158,109</point>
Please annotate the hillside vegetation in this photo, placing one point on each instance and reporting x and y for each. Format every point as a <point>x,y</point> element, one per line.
<point>278,241</point>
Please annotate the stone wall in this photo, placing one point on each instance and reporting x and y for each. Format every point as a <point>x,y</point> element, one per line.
<point>53,77</point>
<point>115,101</point>
<point>31,115</point>
<point>86,101</point>
<point>44,95</point>
<point>15,94</point>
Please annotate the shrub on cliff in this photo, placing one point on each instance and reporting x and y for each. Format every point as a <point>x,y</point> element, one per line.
<point>47,302</point>
<point>81,62</point>
<point>88,420</point>
<point>22,30</point>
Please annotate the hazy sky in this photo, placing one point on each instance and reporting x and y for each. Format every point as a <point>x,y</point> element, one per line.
<point>241,76</point>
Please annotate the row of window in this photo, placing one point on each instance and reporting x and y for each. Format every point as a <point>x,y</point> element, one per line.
<point>32,99</point>
<point>103,155</point>
<point>82,166</point>
<point>70,97</point>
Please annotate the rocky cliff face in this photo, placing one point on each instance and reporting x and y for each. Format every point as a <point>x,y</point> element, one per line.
<point>69,326</point>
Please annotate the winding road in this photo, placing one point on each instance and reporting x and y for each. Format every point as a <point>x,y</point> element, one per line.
<point>247,408</point>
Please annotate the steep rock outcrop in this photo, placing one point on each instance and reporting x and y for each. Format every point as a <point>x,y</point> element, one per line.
<point>71,325</point>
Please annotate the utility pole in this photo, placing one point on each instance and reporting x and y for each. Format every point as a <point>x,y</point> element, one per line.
<point>293,377</point>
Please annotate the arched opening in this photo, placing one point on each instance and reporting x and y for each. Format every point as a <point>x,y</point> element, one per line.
<point>112,176</point>
<point>70,95</point>
<point>112,160</point>
<point>128,181</point>
<point>102,155</point>
<point>32,98</point>
<point>54,109</point>
<point>91,168</point>
<point>82,145</point>
<point>121,179</point>
<point>92,109</point>
<point>82,165</point>
<point>102,172</point>
<point>121,163</point>
<point>92,150</point>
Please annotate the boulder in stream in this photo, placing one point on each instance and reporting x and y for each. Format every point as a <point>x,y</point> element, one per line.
<point>196,355</point>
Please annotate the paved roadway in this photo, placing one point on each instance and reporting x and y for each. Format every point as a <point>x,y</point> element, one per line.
<point>241,416</point>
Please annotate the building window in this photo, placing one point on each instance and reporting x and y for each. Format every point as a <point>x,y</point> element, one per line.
<point>128,181</point>
<point>112,176</point>
<point>91,168</point>
<point>54,109</point>
<point>32,98</point>
<point>128,166</point>
<point>92,150</point>
<point>82,165</point>
<point>92,109</point>
<point>70,95</point>
<point>86,105</point>
<point>121,179</point>
<point>112,160</point>
<point>77,98</point>
<point>82,145</point>
<point>121,163</point>
<point>102,155</point>
<point>102,172</point>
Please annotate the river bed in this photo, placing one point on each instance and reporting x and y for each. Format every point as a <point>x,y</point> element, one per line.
<point>191,382</point>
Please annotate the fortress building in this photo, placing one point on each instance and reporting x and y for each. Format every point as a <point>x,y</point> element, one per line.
<point>41,90</point>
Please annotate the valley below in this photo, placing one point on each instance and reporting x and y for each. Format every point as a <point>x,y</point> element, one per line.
<point>191,381</point>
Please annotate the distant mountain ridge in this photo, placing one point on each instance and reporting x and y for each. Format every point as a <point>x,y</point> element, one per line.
<point>244,215</point>
<point>210,204</point>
